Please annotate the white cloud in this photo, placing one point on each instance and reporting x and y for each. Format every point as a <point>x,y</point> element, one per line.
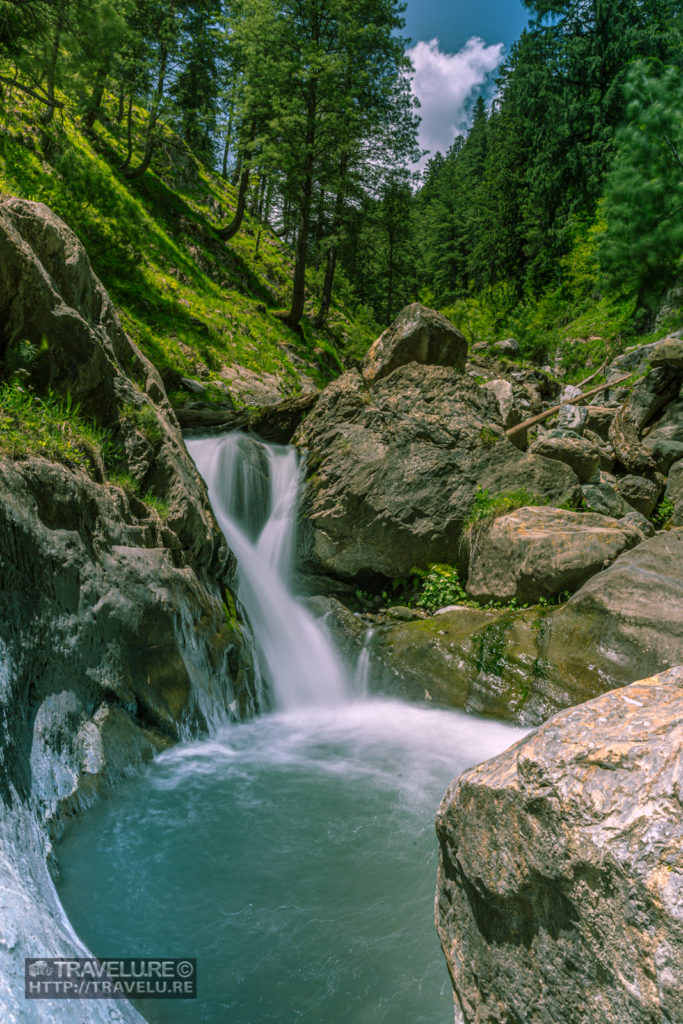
<point>444,83</point>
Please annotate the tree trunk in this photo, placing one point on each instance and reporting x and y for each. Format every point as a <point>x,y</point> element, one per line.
<point>332,252</point>
<point>150,138</point>
<point>49,113</point>
<point>129,134</point>
<point>296,310</point>
<point>122,103</point>
<point>95,101</point>
<point>231,229</point>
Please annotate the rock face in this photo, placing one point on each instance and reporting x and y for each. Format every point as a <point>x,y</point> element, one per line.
<point>418,335</point>
<point>625,622</point>
<point>542,552</point>
<point>393,470</point>
<point>117,628</point>
<point>560,881</point>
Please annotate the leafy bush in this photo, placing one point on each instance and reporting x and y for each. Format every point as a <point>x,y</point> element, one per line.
<point>441,587</point>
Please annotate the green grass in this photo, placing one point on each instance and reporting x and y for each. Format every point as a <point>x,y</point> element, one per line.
<point>192,303</point>
<point>50,427</point>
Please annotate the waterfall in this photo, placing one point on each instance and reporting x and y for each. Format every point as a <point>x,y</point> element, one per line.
<point>254,489</point>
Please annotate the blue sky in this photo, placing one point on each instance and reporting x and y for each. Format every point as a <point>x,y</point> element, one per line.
<point>456,47</point>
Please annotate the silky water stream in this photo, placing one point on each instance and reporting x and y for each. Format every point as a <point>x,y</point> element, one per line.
<point>293,855</point>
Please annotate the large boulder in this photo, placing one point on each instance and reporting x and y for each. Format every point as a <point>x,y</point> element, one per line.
<point>576,452</point>
<point>73,343</point>
<point>394,468</point>
<point>651,394</point>
<point>542,552</point>
<point>640,493</point>
<point>418,335</point>
<point>623,623</point>
<point>560,881</point>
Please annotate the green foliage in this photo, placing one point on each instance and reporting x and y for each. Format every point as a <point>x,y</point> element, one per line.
<point>145,419</point>
<point>642,247</point>
<point>441,586</point>
<point>663,513</point>
<point>50,427</point>
<point>486,507</point>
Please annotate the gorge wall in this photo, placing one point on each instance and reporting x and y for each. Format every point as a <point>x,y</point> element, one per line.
<point>118,631</point>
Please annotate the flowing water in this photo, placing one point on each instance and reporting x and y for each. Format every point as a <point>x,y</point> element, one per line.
<point>293,855</point>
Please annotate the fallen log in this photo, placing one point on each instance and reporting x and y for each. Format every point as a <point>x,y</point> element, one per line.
<point>570,401</point>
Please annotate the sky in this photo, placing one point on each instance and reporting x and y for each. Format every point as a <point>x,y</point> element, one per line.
<point>456,47</point>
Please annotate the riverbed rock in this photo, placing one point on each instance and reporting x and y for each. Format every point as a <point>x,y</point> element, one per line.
<point>542,552</point>
<point>418,335</point>
<point>394,468</point>
<point>578,453</point>
<point>572,417</point>
<point>560,879</point>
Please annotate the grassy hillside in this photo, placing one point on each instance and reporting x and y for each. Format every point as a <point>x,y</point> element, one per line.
<point>194,304</point>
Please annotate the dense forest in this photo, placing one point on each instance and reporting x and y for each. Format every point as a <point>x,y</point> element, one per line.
<point>566,192</point>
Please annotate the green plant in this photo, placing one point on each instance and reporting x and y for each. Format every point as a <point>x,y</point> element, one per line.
<point>144,418</point>
<point>663,512</point>
<point>441,586</point>
<point>156,503</point>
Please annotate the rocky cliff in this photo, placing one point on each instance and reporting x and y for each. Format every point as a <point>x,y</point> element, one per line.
<point>560,886</point>
<point>118,631</point>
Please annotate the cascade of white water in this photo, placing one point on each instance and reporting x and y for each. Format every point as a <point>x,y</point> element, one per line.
<point>253,488</point>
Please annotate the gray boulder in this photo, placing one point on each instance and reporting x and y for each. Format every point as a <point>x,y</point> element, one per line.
<point>581,455</point>
<point>640,493</point>
<point>394,468</point>
<point>542,552</point>
<point>598,419</point>
<point>651,394</point>
<point>508,347</point>
<point>418,335</point>
<point>560,875</point>
<point>605,500</point>
<point>572,417</point>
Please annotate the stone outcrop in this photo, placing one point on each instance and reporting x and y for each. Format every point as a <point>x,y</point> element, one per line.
<point>674,493</point>
<point>394,467</point>
<point>542,552</point>
<point>651,394</point>
<point>418,335</point>
<point>560,880</point>
<point>625,622</point>
<point>118,631</point>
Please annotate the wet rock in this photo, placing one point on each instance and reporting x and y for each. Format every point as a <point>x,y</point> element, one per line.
<point>117,627</point>
<point>418,335</point>
<point>556,900</point>
<point>542,552</point>
<point>581,455</point>
<point>642,494</point>
<point>394,469</point>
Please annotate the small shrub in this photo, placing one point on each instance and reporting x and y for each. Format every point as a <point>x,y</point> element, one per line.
<point>144,418</point>
<point>663,513</point>
<point>441,586</point>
